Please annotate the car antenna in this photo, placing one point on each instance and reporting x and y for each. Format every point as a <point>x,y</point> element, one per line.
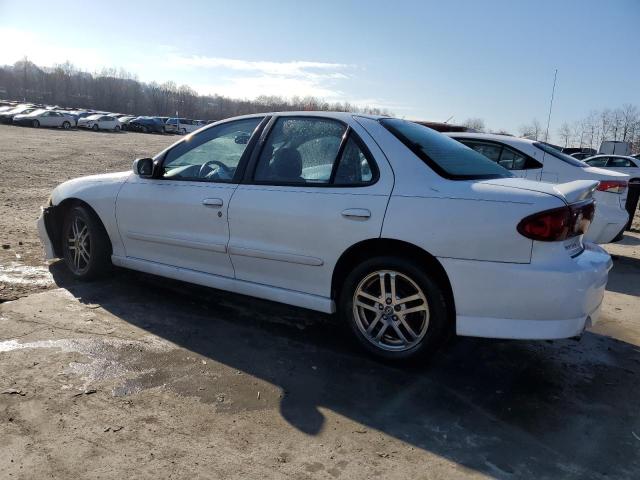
<point>553,91</point>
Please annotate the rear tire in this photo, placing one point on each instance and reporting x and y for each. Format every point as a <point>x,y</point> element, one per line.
<point>183,131</point>
<point>35,124</point>
<point>95,127</point>
<point>117,129</point>
<point>376,316</point>
<point>66,125</point>
<point>85,244</point>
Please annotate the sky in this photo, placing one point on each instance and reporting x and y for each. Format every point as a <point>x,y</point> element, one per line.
<point>429,60</point>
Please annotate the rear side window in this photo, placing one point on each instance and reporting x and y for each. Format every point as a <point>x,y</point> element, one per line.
<point>313,151</point>
<point>503,155</point>
<point>598,162</point>
<point>619,162</point>
<point>559,155</point>
<point>447,157</point>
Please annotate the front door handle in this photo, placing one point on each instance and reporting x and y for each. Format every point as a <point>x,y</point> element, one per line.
<point>212,202</point>
<point>356,213</point>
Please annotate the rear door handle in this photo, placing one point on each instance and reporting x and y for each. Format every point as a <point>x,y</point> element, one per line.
<point>356,213</point>
<point>212,202</point>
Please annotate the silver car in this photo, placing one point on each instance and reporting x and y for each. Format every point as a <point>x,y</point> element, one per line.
<point>45,118</point>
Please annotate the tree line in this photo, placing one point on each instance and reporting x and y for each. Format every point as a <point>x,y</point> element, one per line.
<point>119,91</point>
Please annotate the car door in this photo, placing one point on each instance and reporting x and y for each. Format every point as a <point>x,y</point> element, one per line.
<point>179,217</point>
<point>47,119</point>
<point>313,189</point>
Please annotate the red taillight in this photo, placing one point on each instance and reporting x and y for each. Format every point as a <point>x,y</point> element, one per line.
<point>559,223</point>
<point>612,186</point>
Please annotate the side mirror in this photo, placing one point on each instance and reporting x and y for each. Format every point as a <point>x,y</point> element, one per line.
<point>143,167</point>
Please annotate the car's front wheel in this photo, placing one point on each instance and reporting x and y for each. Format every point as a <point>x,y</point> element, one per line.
<point>95,127</point>
<point>35,123</point>
<point>85,244</point>
<point>396,309</point>
<point>66,125</point>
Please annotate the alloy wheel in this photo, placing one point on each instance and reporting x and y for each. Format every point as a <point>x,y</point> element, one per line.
<point>391,310</point>
<point>79,245</point>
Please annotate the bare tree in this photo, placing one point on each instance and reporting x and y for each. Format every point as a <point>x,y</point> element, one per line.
<point>475,124</point>
<point>565,133</point>
<point>533,130</point>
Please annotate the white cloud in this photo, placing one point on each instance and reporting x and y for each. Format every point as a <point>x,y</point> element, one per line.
<point>18,44</point>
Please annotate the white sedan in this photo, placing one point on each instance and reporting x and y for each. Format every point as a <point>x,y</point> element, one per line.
<point>99,122</point>
<point>539,161</point>
<point>404,232</point>
<point>620,163</point>
<point>45,118</point>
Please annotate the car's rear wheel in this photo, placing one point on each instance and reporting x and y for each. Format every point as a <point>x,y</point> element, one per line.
<point>183,131</point>
<point>35,123</point>
<point>396,310</point>
<point>117,129</point>
<point>144,129</point>
<point>66,125</point>
<point>95,127</point>
<point>85,244</point>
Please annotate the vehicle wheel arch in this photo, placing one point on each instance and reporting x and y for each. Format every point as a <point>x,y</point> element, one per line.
<point>57,223</point>
<point>382,247</point>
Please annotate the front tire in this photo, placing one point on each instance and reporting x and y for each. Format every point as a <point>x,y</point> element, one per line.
<point>117,128</point>
<point>396,310</point>
<point>85,244</point>
<point>66,125</point>
<point>95,127</point>
<point>35,124</point>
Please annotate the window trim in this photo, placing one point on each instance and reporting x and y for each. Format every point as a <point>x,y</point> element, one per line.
<point>249,177</point>
<point>242,163</point>
<point>529,158</point>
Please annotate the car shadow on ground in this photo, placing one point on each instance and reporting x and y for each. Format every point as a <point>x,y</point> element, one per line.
<point>563,409</point>
<point>626,270</point>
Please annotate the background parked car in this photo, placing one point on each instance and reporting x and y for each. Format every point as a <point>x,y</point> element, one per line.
<point>582,155</point>
<point>146,125</point>
<point>45,118</point>
<point>7,117</point>
<point>124,121</point>
<point>99,122</point>
<point>619,163</point>
<point>539,161</point>
<point>182,125</point>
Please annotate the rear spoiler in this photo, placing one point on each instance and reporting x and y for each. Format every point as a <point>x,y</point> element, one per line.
<point>577,190</point>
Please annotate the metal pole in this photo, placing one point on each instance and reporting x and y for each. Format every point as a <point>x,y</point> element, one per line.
<point>553,91</point>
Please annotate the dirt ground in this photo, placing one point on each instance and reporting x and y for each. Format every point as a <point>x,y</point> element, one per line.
<point>139,377</point>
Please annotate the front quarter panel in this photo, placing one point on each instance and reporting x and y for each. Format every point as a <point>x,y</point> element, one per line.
<point>100,193</point>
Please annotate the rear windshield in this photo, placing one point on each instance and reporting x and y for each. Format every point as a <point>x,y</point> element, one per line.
<point>447,157</point>
<point>560,156</point>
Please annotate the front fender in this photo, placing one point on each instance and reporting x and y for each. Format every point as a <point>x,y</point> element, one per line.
<point>99,192</point>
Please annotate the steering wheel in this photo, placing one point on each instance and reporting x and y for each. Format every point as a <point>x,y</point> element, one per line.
<point>208,164</point>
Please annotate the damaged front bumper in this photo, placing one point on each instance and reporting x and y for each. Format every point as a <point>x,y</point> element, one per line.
<point>44,227</point>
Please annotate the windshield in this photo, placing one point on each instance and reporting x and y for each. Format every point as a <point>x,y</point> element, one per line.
<point>560,156</point>
<point>447,157</point>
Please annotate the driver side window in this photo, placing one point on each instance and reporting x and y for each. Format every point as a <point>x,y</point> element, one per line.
<point>212,155</point>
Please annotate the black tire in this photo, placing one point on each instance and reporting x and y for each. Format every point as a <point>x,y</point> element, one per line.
<point>436,318</point>
<point>98,252</point>
<point>95,127</point>
<point>144,129</point>
<point>117,129</point>
<point>66,125</point>
<point>35,124</point>
<point>183,131</point>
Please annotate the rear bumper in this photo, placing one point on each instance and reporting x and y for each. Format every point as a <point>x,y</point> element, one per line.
<point>558,299</point>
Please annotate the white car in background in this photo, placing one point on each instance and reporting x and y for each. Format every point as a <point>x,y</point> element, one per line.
<point>539,161</point>
<point>99,122</point>
<point>620,163</point>
<point>182,126</point>
<point>45,118</point>
<point>406,233</point>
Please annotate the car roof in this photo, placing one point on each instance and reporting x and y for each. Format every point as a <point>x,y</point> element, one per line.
<point>490,136</point>
<point>315,113</point>
<point>610,155</point>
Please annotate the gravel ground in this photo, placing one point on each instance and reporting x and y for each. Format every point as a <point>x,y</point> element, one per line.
<point>139,377</point>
